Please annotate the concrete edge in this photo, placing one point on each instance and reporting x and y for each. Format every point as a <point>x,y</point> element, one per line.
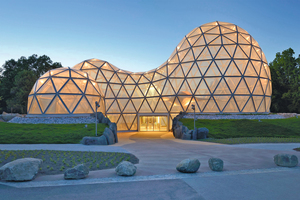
<point>144,178</point>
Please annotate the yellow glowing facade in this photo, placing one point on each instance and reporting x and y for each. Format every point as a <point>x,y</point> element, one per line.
<point>218,67</point>
<point>64,91</point>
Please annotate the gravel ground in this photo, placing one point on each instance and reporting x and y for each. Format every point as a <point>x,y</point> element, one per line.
<point>212,116</point>
<point>53,120</point>
<point>88,120</point>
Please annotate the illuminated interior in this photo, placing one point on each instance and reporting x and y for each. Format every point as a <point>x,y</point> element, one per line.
<point>153,123</point>
<point>64,91</point>
<point>219,67</point>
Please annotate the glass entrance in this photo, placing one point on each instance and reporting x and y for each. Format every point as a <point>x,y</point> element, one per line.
<point>153,123</point>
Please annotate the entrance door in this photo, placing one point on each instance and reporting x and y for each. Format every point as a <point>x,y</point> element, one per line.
<point>153,123</point>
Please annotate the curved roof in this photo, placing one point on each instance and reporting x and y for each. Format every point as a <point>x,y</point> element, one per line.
<point>218,66</point>
<point>64,91</point>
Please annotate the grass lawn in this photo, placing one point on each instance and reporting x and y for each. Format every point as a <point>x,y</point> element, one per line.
<point>233,131</point>
<point>56,162</point>
<point>11,133</point>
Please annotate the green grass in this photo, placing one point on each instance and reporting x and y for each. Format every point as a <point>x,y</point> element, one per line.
<point>11,133</point>
<point>232,131</point>
<point>247,140</point>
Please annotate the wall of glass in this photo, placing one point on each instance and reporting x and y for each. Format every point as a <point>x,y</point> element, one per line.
<point>153,123</point>
<point>218,66</point>
<point>64,91</point>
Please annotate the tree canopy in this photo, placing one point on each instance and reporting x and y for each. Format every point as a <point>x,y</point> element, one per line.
<point>17,78</point>
<point>285,73</point>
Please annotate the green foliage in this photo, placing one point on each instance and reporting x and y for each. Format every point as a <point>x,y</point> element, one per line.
<point>23,84</point>
<point>285,72</point>
<point>237,128</point>
<point>24,72</point>
<point>11,133</point>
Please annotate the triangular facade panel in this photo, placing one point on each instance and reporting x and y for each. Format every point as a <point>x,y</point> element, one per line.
<point>218,67</point>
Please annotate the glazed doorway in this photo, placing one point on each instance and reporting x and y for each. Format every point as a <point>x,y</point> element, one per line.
<point>153,123</point>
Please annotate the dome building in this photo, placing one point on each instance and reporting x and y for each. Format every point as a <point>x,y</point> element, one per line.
<point>64,91</point>
<point>218,67</point>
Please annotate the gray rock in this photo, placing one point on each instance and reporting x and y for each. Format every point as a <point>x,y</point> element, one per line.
<point>125,168</point>
<point>202,133</point>
<point>100,116</point>
<point>184,129</point>
<point>179,123</point>
<point>187,135</point>
<point>105,120</point>
<point>188,166</point>
<point>113,128</point>
<point>109,136</point>
<point>195,133</point>
<point>24,169</point>
<point>178,132</point>
<point>8,116</point>
<point>286,160</point>
<point>77,172</point>
<point>215,164</point>
<point>94,140</point>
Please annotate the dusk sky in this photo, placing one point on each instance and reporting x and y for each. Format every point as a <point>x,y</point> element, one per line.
<point>135,35</point>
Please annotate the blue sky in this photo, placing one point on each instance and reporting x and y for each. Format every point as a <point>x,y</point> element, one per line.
<point>135,35</point>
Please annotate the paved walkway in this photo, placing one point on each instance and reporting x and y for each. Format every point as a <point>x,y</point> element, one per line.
<point>246,167</point>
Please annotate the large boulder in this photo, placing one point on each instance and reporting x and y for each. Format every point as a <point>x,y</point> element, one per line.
<point>94,140</point>
<point>195,134</point>
<point>109,136</point>
<point>188,166</point>
<point>24,169</point>
<point>187,135</point>
<point>125,168</point>
<point>286,160</point>
<point>105,120</point>
<point>113,128</point>
<point>176,124</point>
<point>100,116</point>
<point>215,164</point>
<point>202,133</point>
<point>185,130</point>
<point>8,116</point>
<point>77,172</point>
<point>177,131</point>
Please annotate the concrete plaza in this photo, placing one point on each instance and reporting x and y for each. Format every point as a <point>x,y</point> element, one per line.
<point>249,172</point>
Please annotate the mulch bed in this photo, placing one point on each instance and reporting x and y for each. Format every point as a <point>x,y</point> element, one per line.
<point>56,162</point>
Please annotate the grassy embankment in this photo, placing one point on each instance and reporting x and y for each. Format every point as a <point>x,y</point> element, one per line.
<point>234,131</point>
<point>11,133</point>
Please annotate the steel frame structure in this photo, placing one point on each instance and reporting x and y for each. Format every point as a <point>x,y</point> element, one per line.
<point>219,67</point>
<point>64,91</point>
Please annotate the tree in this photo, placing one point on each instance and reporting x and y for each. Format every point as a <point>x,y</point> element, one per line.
<point>23,84</point>
<point>285,73</point>
<point>13,86</point>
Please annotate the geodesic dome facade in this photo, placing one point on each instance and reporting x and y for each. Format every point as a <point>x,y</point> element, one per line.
<point>218,67</point>
<point>64,91</point>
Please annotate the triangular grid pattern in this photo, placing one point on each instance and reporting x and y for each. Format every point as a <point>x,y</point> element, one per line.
<point>218,67</point>
<point>66,91</point>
